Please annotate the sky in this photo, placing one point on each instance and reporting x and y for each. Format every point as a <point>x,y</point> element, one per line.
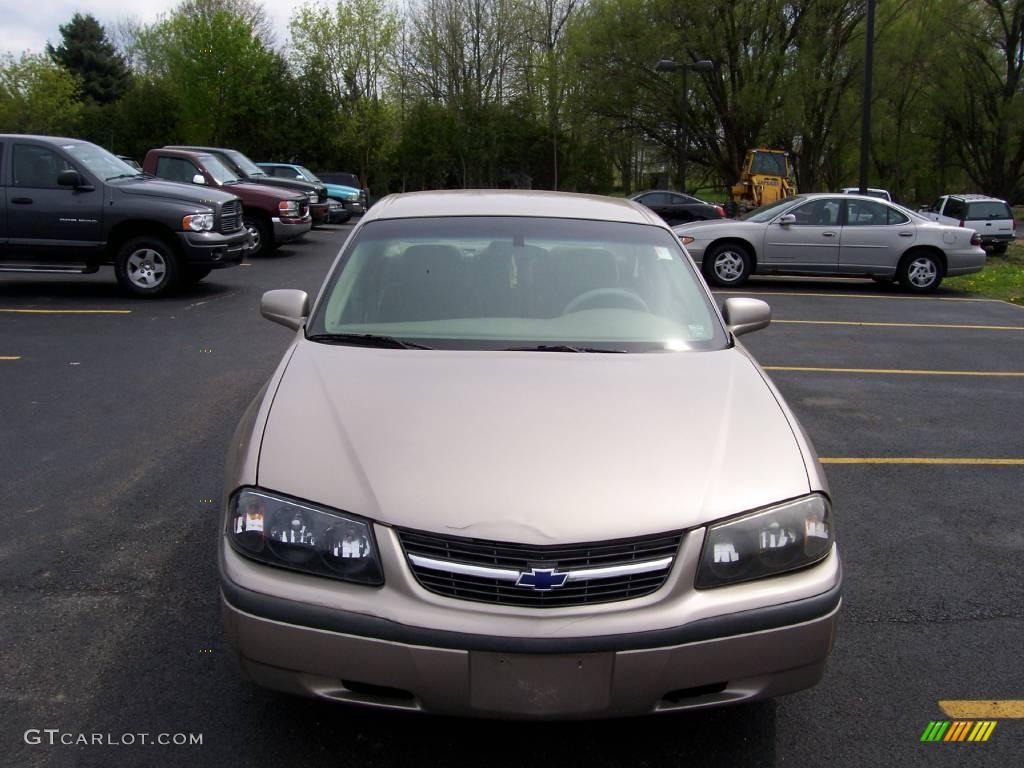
<point>29,26</point>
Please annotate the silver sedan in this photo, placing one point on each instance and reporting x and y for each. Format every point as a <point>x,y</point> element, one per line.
<point>830,235</point>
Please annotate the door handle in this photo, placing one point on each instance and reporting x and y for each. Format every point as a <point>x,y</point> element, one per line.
<point>22,200</point>
<point>906,234</point>
<point>828,234</point>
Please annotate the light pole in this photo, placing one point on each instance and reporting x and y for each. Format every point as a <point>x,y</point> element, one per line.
<point>865,117</point>
<point>667,65</point>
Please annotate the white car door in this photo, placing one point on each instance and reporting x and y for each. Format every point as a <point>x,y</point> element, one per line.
<point>809,244</point>
<point>874,237</point>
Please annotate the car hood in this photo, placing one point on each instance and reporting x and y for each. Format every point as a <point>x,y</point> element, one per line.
<point>732,223</point>
<point>531,447</point>
<point>174,190</point>
<point>341,189</point>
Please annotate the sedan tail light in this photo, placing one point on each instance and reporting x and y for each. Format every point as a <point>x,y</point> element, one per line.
<point>962,222</point>
<point>721,211</point>
<point>975,238</point>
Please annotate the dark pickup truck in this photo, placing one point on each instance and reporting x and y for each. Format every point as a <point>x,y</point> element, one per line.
<point>248,171</point>
<point>272,215</point>
<point>68,206</point>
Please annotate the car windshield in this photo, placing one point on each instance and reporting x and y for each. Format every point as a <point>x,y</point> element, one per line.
<point>518,283</point>
<point>247,166</point>
<point>770,210</point>
<point>220,172</point>
<point>100,162</point>
<point>308,174</point>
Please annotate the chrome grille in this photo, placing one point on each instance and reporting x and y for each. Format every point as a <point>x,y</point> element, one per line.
<point>303,208</point>
<point>485,571</point>
<point>231,217</point>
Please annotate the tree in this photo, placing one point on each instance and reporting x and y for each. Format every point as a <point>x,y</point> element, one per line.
<point>87,53</point>
<point>982,77</point>
<point>37,96</point>
<point>217,66</point>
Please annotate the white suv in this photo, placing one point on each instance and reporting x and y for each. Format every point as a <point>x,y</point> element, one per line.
<point>990,217</point>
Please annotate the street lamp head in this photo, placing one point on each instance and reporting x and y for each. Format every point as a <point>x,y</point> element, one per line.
<point>667,65</point>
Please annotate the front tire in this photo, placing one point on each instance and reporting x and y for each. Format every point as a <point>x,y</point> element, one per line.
<point>261,233</point>
<point>920,272</point>
<point>147,266</point>
<point>728,264</point>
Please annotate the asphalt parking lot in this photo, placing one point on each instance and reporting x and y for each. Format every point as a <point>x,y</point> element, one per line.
<point>116,413</point>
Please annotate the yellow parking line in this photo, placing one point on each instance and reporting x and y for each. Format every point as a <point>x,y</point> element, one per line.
<point>966,709</point>
<point>69,311</point>
<point>915,460</point>
<point>905,325</point>
<point>900,371</point>
<point>861,296</point>
<point>10,357</point>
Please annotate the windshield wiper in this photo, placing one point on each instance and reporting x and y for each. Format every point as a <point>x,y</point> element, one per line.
<point>366,340</point>
<point>563,348</point>
<point>123,176</point>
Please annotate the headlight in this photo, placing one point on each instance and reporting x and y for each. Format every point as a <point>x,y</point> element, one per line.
<point>289,209</point>
<point>198,222</point>
<point>352,196</point>
<point>772,541</point>
<point>304,537</point>
<point>312,197</point>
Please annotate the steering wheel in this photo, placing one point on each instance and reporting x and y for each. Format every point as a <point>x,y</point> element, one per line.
<point>598,293</point>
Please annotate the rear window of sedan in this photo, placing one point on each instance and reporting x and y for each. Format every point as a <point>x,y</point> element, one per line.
<point>478,282</point>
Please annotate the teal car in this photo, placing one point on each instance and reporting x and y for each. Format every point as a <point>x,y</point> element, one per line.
<point>350,197</point>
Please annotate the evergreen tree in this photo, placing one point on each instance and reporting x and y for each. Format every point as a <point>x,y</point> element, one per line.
<point>87,52</point>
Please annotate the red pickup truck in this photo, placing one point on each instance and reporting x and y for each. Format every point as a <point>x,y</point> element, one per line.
<point>271,214</point>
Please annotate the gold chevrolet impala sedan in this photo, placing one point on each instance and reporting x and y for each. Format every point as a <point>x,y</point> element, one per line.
<point>515,463</point>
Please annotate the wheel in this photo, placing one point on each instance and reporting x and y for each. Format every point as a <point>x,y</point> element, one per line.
<point>602,293</point>
<point>727,264</point>
<point>195,274</point>
<point>262,234</point>
<point>147,266</point>
<point>998,249</point>
<point>920,272</point>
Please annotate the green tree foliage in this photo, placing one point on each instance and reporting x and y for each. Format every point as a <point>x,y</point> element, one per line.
<point>557,93</point>
<point>37,96</point>
<point>222,75</point>
<point>980,95</point>
<point>85,51</point>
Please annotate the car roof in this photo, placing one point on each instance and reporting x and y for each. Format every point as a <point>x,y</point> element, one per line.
<point>974,198</point>
<point>850,190</point>
<point>502,202</point>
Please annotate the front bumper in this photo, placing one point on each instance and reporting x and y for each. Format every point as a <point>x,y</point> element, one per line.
<point>517,663</point>
<point>289,229</point>
<point>320,213</point>
<point>212,249</point>
<point>354,207</point>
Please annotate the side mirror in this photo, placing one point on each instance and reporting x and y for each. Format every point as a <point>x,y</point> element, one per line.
<point>786,220</point>
<point>199,179</point>
<point>69,178</point>
<point>289,307</point>
<point>744,315</point>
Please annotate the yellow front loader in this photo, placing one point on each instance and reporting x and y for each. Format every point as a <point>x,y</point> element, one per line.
<point>767,177</point>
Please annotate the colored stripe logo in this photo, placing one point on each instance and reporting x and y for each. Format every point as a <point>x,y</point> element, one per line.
<point>958,730</point>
